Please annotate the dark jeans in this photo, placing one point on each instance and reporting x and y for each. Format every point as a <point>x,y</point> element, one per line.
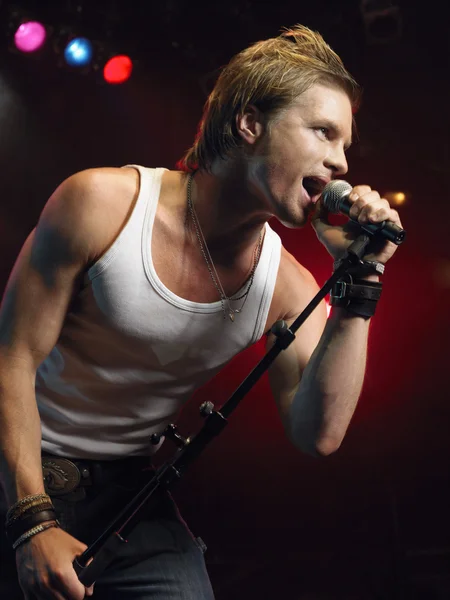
<point>161,561</point>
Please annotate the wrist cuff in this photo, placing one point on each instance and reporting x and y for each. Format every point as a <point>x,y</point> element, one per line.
<point>356,296</point>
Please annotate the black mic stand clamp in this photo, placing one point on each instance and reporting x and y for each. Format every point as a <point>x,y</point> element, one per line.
<point>94,560</point>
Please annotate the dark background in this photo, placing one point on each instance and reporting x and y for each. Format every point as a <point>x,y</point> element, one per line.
<point>371,521</point>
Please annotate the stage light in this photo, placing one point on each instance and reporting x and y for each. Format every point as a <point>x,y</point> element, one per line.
<point>399,198</point>
<point>118,69</point>
<point>30,36</point>
<point>396,198</point>
<point>78,52</point>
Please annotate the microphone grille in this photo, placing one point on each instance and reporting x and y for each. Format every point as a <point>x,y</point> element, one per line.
<point>333,193</point>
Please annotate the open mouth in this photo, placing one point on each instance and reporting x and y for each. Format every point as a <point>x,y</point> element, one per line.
<point>314,187</point>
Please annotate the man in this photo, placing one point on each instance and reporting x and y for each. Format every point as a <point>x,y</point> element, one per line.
<point>138,285</point>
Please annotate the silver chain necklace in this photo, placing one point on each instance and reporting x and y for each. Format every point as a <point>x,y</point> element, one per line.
<point>210,264</point>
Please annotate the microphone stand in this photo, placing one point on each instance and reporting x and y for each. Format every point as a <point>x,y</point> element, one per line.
<point>105,548</point>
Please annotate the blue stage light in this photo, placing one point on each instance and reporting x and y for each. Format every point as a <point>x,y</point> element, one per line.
<point>78,52</point>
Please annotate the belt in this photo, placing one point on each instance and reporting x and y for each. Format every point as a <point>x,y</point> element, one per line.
<point>69,477</point>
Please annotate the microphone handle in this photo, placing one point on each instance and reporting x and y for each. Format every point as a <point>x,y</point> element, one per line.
<point>386,229</point>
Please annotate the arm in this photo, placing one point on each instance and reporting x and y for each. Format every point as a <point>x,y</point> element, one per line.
<point>36,299</point>
<point>317,385</point>
<point>78,223</point>
<point>70,235</point>
<point>317,381</point>
<point>333,380</point>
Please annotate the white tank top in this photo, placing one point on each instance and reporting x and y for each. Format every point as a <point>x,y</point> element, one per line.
<point>131,352</point>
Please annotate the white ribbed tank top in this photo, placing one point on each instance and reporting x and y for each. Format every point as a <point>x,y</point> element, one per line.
<point>131,352</point>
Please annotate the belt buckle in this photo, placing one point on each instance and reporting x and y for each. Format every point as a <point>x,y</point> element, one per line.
<point>61,476</point>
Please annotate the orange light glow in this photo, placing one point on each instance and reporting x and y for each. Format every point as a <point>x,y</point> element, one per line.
<point>396,198</point>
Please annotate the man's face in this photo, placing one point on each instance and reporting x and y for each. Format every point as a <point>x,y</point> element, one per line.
<point>304,149</point>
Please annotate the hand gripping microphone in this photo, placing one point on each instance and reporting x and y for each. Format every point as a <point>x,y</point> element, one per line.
<point>335,199</point>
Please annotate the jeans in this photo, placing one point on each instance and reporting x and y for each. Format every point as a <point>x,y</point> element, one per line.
<point>161,561</point>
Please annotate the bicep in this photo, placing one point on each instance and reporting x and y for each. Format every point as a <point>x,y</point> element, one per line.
<point>41,286</point>
<point>35,301</point>
<point>286,371</point>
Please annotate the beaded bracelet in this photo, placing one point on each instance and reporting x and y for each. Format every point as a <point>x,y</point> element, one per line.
<point>35,530</point>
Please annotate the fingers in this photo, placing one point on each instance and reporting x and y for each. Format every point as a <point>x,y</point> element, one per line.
<point>369,207</point>
<point>64,587</point>
<point>320,211</point>
<point>45,568</point>
<point>90,589</point>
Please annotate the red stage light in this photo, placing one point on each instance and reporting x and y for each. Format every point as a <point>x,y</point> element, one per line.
<point>118,69</point>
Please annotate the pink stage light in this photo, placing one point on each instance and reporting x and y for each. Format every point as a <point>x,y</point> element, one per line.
<point>30,36</point>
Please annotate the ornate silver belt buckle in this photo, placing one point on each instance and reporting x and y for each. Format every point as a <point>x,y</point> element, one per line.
<point>61,476</point>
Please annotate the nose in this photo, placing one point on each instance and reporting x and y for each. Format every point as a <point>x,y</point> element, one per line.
<point>336,161</point>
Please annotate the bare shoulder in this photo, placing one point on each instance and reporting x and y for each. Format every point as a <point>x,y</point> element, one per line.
<point>90,207</point>
<point>294,289</point>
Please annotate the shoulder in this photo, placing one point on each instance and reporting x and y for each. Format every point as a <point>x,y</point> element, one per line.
<point>89,208</point>
<point>95,187</point>
<point>294,289</point>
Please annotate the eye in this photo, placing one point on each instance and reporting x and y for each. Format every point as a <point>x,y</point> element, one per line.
<point>324,132</point>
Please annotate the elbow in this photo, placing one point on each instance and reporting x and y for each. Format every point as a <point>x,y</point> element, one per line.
<point>326,445</point>
<point>317,446</point>
<point>315,431</point>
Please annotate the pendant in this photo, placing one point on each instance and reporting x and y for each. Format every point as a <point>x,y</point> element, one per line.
<point>231,315</point>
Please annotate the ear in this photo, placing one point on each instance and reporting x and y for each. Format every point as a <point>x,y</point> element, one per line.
<point>251,124</point>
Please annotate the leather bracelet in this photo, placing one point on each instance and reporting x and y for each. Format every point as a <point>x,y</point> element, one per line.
<point>23,525</point>
<point>358,297</point>
<point>343,292</point>
<point>25,503</point>
<point>29,510</point>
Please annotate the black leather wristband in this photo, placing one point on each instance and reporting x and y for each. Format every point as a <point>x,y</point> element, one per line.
<point>21,526</point>
<point>31,510</point>
<point>356,290</point>
<point>358,297</point>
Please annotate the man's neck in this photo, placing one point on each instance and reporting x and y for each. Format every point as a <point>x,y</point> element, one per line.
<point>231,217</point>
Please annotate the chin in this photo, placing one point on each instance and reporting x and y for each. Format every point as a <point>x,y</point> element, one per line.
<point>294,223</point>
<point>295,220</point>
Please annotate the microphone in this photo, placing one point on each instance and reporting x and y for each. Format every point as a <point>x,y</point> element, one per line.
<point>335,199</point>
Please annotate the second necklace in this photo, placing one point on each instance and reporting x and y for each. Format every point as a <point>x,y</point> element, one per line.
<point>224,299</point>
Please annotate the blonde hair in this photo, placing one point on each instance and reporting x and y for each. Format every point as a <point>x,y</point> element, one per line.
<point>270,74</point>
